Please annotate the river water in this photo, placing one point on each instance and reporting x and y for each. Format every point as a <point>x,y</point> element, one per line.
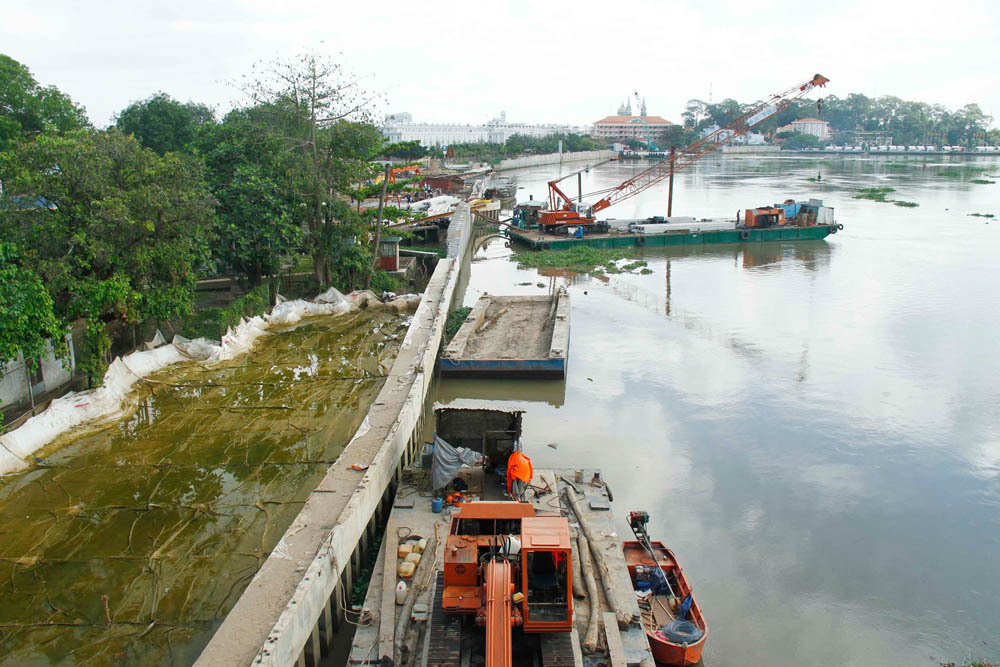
<point>815,426</point>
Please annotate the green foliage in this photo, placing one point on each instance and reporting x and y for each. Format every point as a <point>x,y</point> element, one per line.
<point>454,322</point>
<point>520,144</point>
<point>28,109</point>
<point>798,141</point>
<point>982,215</point>
<point>582,259</point>
<point>119,234</point>
<point>906,204</point>
<point>875,194</point>
<point>27,321</point>
<point>404,150</point>
<point>248,173</point>
<point>982,181</point>
<point>163,124</point>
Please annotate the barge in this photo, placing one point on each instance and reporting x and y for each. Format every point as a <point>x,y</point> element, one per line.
<point>789,221</point>
<point>511,336</point>
<point>506,575</point>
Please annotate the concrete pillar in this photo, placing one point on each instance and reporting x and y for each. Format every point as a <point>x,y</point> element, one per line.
<point>326,625</point>
<point>314,651</point>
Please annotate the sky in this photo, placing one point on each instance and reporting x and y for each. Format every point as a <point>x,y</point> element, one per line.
<point>541,61</point>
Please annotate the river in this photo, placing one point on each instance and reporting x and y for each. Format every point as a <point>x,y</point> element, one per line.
<point>814,427</point>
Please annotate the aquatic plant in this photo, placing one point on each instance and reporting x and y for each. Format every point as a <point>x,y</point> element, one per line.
<point>874,194</point>
<point>455,320</point>
<point>582,259</point>
<point>982,181</point>
<point>982,215</point>
<point>907,204</point>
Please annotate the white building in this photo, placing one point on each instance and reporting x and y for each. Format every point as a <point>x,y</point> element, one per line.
<point>814,126</point>
<point>624,126</point>
<point>400,127</point>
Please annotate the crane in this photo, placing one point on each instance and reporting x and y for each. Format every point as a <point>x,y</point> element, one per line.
<point>564,211</point>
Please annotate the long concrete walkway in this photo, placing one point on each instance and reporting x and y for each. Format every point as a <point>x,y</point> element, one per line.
<point>291,606</point>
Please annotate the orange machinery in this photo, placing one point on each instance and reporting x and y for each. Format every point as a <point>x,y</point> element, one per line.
<point>508,567</point>
<point>564,211</point>
<point>764,217</point>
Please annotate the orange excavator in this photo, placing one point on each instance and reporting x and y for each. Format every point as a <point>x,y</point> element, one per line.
<point>564,211</point>
<point>508,570</point>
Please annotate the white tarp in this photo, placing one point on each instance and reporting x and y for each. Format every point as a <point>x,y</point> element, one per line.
<point>109,401</point>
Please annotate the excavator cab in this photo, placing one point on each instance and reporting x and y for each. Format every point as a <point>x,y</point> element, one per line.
<point>504,568</point>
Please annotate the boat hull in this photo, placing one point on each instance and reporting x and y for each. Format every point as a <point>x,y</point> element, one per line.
<point>537,241</point>
<point>663,650</point>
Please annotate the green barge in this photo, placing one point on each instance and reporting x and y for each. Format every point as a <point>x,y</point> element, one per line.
<point>536,240</point>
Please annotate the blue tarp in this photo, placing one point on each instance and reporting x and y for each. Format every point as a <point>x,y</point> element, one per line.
<point>791,210</point>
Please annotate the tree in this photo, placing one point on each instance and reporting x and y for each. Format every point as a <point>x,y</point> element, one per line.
<point>248,170</point>
<point>798,141</point>
<point>320,113</point>
<point>28,325</point>
<point>163,124</point>
<point>28,109</point>
<point>404,150</point>
<point>118,234</point>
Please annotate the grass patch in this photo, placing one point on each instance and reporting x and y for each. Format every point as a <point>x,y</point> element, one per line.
<point>456,319</point>
<point>982,181</point>
<point>874,194</point>
<point>582,259</point>
<point>982,215</point>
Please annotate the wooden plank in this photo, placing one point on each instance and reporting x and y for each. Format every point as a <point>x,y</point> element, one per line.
<point>616,651</point>
<point>387,610</point>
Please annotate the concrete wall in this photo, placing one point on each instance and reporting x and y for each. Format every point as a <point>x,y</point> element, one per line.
<point>294,599</point>
<point>751,149</point>
<point>553,158</point>
<point>14,381</point>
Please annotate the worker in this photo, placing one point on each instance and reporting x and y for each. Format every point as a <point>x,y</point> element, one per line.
<point>519,474</point>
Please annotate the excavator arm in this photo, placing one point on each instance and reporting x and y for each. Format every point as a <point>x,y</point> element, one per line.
<point>710,142</point>
<point>499,613</point>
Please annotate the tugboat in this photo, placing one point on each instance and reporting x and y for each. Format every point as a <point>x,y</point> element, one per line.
<point>671,618</point>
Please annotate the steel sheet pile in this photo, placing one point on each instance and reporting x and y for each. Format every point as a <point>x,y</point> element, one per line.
<point>130,542</point>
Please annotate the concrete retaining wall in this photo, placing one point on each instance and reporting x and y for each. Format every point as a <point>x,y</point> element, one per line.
<point>288,613</point>
<point>553,158</point>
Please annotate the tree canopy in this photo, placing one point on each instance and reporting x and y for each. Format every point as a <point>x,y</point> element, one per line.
<point>114,231</point>
<point>27,320</point>
<point>28,109</point>
<point>163,124</point>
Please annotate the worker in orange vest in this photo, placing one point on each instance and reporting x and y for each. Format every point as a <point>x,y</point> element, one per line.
<point>519,474</point>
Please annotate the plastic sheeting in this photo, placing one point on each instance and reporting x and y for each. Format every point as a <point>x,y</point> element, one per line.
<point>128,544</point>
<point>447,460</point>
<point>109,401</point>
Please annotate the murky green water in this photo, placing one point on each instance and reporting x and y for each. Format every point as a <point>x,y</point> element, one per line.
<point>128,545</point>
<point>814,427</point>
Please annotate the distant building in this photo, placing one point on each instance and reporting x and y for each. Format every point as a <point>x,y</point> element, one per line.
<point>400,127</point>
<point>814,126</point>
<point>625,126</point>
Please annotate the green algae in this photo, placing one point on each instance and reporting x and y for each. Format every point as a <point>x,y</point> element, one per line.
<point>129,542</point>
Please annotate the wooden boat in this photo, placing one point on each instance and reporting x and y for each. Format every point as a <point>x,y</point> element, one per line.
<point>671,618</point>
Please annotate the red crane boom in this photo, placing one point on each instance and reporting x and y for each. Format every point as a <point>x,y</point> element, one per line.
<point>575,213</point>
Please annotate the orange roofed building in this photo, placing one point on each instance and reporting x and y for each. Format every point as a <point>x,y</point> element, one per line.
<point>624,125</point>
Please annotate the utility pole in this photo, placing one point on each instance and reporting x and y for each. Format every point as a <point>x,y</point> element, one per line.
<point>670,188</point>
<point>378,226</point>
<point>579,186</point>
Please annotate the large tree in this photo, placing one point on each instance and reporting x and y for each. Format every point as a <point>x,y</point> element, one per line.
<point>28,109</point>
<point>163,124</point>
<point>249,172</point>
<point>115,231</point>
<point>320,113</point>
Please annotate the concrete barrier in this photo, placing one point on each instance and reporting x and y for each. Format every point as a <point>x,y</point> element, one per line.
<point>553,158</point>
<point>287,614</point>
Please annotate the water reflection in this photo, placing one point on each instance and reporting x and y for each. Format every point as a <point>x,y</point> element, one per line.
<point>813,426</point>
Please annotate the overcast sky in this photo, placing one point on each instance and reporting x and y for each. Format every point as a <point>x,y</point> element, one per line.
<point>540,61</point>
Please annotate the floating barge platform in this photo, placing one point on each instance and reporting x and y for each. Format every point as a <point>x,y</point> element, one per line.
<point>414,628</point>
<point>511,336</point>
<point>537,240</point>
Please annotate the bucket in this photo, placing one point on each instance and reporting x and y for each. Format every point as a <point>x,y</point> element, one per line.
<point>436,505</point>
